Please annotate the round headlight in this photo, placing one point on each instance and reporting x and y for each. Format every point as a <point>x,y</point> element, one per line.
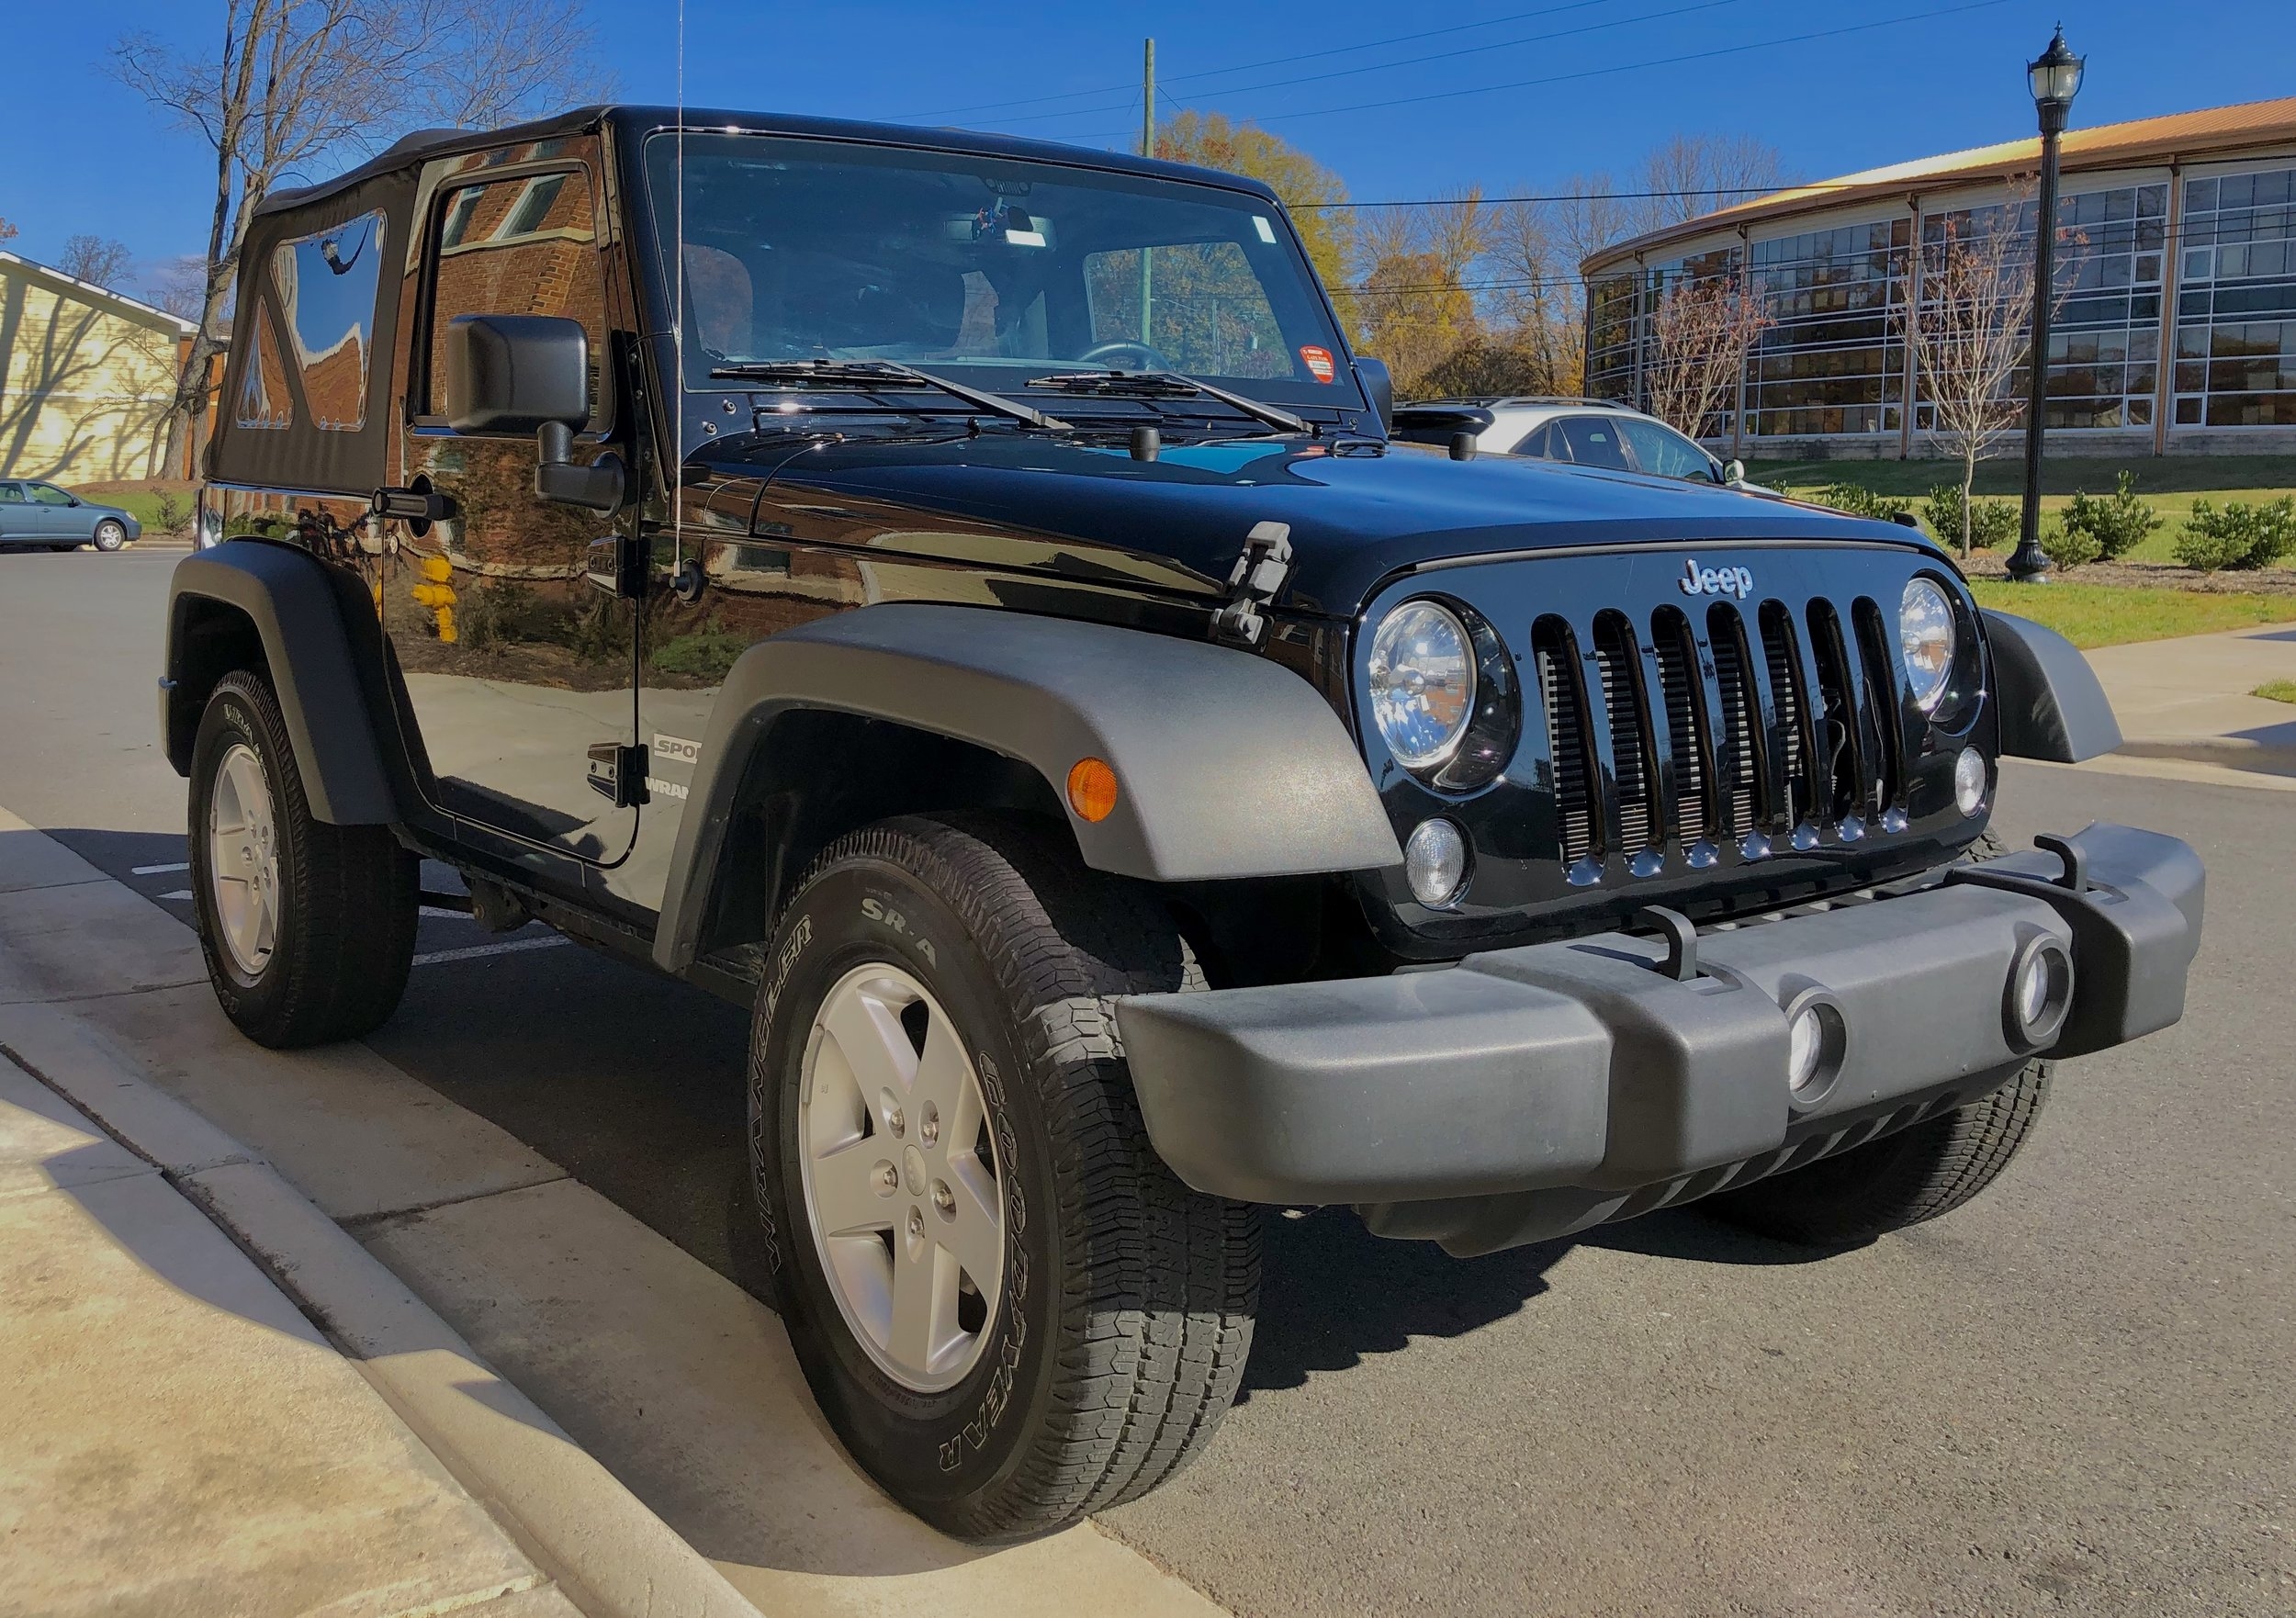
<point>1435,862</point>
<point>1925,640</point>
<point>1423,683</point>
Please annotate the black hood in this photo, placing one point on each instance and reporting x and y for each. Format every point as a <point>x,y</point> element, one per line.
<point>1358,512</point>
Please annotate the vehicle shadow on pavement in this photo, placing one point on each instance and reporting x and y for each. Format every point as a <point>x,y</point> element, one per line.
<point>1333,1294</point>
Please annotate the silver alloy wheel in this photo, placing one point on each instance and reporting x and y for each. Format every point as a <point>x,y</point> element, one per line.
<point>904,1186</point>
<point>109,535</point>
<point>244,859</point>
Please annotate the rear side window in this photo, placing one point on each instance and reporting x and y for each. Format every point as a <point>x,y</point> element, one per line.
<point>1593,441</point>
<point>522,245</point>
<point>262,387</point>
<point>326,283</point>
<point>1540,441</point>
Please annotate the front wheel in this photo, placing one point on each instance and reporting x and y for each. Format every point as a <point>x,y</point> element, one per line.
<point>308,929</point>
<point>1010,1311</point>
<point>1899,1180</point>
<point>110,536</point>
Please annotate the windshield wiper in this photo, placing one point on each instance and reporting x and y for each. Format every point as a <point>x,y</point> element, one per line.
<point>1168,384</point>
<point>873,375</point>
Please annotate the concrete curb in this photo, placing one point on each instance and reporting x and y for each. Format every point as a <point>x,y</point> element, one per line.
<point>612,1554</point>
<point>2232,752</point>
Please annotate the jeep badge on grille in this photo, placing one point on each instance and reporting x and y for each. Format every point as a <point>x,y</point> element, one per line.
<point>1716,581</point>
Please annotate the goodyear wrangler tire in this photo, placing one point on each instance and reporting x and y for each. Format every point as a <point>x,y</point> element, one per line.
<point>308,929</point>
<point>1010,1311</point>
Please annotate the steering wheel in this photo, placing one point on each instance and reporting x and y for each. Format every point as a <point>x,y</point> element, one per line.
<point>1144,357</point>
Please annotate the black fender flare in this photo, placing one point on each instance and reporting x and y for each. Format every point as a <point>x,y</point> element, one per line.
<point>288,596</point>
<point>1227,764</point>
<point>2051,704</point>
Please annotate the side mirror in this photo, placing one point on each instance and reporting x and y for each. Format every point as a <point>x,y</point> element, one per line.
<point>1734,473</point>
<point>1380,383</point>
<point>531,373</point>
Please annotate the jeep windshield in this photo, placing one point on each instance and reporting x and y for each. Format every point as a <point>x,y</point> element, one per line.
<point>999,273</point>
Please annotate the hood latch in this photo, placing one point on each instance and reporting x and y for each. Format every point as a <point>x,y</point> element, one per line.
<point>1259,577</point>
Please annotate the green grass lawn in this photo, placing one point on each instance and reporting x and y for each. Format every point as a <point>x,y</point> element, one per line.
<point>2105,615</point>
<point>2169,484</point>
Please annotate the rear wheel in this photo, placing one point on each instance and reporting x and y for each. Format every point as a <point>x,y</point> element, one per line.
<point>308,929</point>
<point>1008,1308</point>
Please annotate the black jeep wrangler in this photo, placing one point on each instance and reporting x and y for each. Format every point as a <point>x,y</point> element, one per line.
<point>959,597</point>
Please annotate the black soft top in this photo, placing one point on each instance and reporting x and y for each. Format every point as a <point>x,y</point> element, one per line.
<point>425,145</point>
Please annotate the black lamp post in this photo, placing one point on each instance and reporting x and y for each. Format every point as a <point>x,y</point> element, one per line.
<point>2056,79</point>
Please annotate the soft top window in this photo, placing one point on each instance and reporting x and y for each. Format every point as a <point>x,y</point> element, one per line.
<point>326,285</point>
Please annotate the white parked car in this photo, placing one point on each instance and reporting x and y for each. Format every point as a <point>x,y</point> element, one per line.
<point>1579,432</point>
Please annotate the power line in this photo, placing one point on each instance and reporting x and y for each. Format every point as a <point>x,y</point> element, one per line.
<point>1213,73</point>
<point>1409,60</point>
<point>1643,65</point>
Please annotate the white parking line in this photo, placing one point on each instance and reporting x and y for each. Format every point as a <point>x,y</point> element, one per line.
<point>514,946</point>
<point>178,893</point>
<point>157,869</point>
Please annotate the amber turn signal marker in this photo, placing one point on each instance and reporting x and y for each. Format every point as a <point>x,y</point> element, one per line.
<point>1092,789</point>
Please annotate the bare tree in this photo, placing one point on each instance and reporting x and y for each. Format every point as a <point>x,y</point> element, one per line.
<point>1701,330</point>
<point>94,259</point>
<point>298,82</point>
<point>1692,175</point>
<point>1968,322</point>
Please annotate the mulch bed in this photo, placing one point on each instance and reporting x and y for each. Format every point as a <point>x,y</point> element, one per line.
<point>2263,581</point>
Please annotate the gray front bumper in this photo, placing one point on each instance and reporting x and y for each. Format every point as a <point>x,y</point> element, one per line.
<point>1581,1074</point>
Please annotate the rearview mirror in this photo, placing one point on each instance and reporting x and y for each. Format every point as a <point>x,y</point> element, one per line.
<point>531,373</point>
<point>1380,383</point>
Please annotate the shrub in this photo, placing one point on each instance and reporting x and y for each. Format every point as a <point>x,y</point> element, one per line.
<point>1992,523</point>
<point>171,513</point>
<point>2116,523</point>
<point>2068,546</point>
<point>1862,502</point>
<point>706,654</point>
<point>2238,535</point>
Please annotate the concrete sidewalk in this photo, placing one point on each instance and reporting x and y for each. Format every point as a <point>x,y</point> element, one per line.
<point>2188,699</point>
<point>175,1436</point>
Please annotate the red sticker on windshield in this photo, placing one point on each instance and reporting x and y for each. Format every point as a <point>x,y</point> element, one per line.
<point>1318,362</point>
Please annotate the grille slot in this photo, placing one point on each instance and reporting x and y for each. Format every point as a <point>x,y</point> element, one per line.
<point>1738,763</point>
<point>1560,692</point>
<point>1791,710</point>
<point>1685,722</point>
<point>1882,699</point>
<point>1840,792</point>
<point>1618,663</point>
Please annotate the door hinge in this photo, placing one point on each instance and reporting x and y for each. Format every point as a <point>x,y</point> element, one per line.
<point>1258,578</point>
<point>618,773</point>
<point>619,564</point>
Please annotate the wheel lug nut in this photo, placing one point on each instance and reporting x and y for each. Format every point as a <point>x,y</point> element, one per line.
<point>944,1200</point>
<point>893,1120</point>
<point>928,1124</point>
<point>888,1178</point>
<point>916,1221</point>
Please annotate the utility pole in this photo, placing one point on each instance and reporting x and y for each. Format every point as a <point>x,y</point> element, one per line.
<point>1147,148</point>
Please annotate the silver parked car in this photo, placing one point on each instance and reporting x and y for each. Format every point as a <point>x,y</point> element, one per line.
<point>36,516</point>
<point>1577,432</point>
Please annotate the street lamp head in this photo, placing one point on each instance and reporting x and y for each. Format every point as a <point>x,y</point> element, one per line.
<point>2055,76</point>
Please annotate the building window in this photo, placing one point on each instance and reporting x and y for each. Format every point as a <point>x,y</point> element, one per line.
<point>1834,360</point>
<point>2235,363</point>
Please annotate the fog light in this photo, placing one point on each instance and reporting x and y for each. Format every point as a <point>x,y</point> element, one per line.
<point>1435,862</point>
<point>1969,780</point>
<point>2040,992</point>
<point>1815,1037</point>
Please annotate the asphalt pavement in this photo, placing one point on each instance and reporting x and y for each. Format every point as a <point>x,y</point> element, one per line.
<point>2074,1395</point>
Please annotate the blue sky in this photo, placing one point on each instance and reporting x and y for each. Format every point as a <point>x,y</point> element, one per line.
<point>86,156</point>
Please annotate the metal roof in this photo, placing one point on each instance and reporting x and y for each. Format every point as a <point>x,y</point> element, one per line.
<point>425,145</point>
<point>2186,135</point>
